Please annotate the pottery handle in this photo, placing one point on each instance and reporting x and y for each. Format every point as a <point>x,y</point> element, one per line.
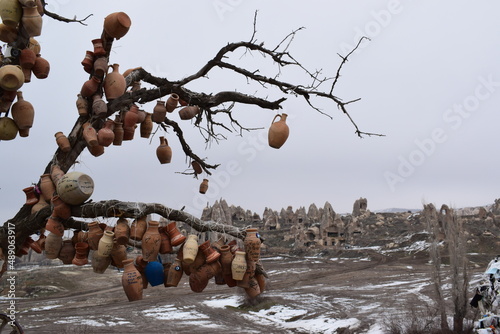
<point>275,118</point>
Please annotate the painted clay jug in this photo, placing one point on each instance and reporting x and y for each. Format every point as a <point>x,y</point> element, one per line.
<point>140,265</point>
<point>114,83</point>
<point>175,273</point>
<point>146,126</point>
<point>190,249</point>
<point>172,102</point>
<point>53,244</point>
<point>159,112</point>
<point>151,242</point>
<point>11,12</point>
<point>62,142</point>
<point>132,281</point>
<point>117,24</point>
<point>41,69</point>
<point>211,255</point>
<point>11,77</point>
<point>252,244</point>
<point>278,132</point>
<point>176,237</point>
<point>100,263</point>
<point>54,225</point>
<point>94,235</point>
<point>138,228</point>
<point>75,188</point>
<point>189,112</point>
<point>32,21</point>
<point>122,231</point>
<point>154,273</point>
<point>163,151</point>
<point>105,135</point>
<point>204,186</point>
<point>105,244</point>
<point>238,265</point>
<point>67,252</point>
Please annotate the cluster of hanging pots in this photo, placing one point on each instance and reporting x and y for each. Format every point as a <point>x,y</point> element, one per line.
<point>21,21</point>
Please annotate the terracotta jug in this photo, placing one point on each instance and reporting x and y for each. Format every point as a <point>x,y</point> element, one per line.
<point>90,86</point>
<point>190,249</point>
<point>226,257</point>
<point>198,262</point>
<point>198,280</point>
<point>146,126</point>
<point>118,131</point>
<point>105,244</point>
<point>61,209</point>
<point>132,281</point>
<point>252,244</point>
<point>138,228</point>
<point>140,265</point>
<point>8,128</point>
<point>238,265</point>
<point>175,273</point>
<point>151,242</point>
<point>163,151</point>
<point>249,273</point>
<point>75,188</point>
<point>159,112</point>
<point>131,117</point>
<point>118,254</point>
<point>62,142</point>
<point>31,196</point>
<point>99,50</point>
<point>54,226</point>
<point>128,132</point>
<point>82,105</point>
<point>122,231</point>
<point>204,186</point>
<point>88,62</point>
<point>114,83</point>
<point>11,77</point>
<point>154,273</point>
<point>96,150</point>
<point>11,12</point>
<point>99,107</point>
<point>47,187</point>
<point>23,112</point>
<point>41,69</point>
<point>94,235</point>
<point>105,135</point>
<point>196,167</point>
<point>117,24</point>
<point>27,61</point>
<point>100,263</point>
<point>176,238</point>
<point>172,102</point>
<point>189,112</point>
<point>80,236</point>
<point>53,244</point>
<point>81,254</point>
<point>253,289</point>
<point>100,67</point>
<point>165,246</point>
<point>211,255</point>
<point>32,21</point>
<point>67,252</point>
<point>278,132</point>
<point>8,34</point>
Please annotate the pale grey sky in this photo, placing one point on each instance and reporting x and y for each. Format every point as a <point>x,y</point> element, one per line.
<point>429,80</point>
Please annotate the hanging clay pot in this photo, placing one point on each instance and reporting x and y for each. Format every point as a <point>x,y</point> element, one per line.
<point>138,228</point>
<point>198,279</point>
<point>204,186</point>
<point>23,112</point>
<point>88,62</point>
<point>47,187</point>
<point>211,255</point>
<point>82,105</point>
<point>8,34</point>
<point>63,142</point>
<point>75,188</point>
<point>100,263</point>
<point>141,264</point>
<point>252,244</point>
<point>53,244</point>
<point>8,128</point>
<point>163,151</point>
<point>249,272</point>
<point>226,257</point>
<point>31,196</point>
<point>54,226</point>
<point>27,60</point>
<point>131,117</point>
<point>100,67</point>
<point>146,126</point>
<point>56,174</point>
<point>165,246</point>
<point>67,252</point>
<point>61,209</point>
<point>11,77</point>
<point>239,265</point>
<point>96,150</point>
<point>172,102</point>
<point>154,273</point>
<point>41,69</point>
<point>105,135</point>
<point>90,86</point>
<point>114,83</point>
<point>151,242</point>
<point>197,263</point>
<point>105,244</point>
<point>175,273</point>
<point>189,112</point>
<point>34,45</point>
<point>159,112</point>
<point>196,167</point>
<point>190,249</point>
<point>122,231</point>
<point>81,254</point>
<point>132,281</point>
<point>98,47</point>
<point>118,131</point>
<point>278,132</point>
<point>117,24</point>
<point>118,254</point>
<point>11,12</point>
<point>32,21</point>
<point>90,134</point>
<point>99,107</point>
<point>80,236</point>
<point>94,235</point>
<point>176,238</point>
<point>253,289</point>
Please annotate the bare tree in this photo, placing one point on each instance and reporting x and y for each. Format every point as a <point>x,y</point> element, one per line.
<point>212,106</point>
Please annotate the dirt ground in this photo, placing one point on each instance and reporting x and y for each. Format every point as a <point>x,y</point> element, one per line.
<point>304,295</point>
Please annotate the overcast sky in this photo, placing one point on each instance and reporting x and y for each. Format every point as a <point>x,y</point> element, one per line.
<point>429,80</point>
